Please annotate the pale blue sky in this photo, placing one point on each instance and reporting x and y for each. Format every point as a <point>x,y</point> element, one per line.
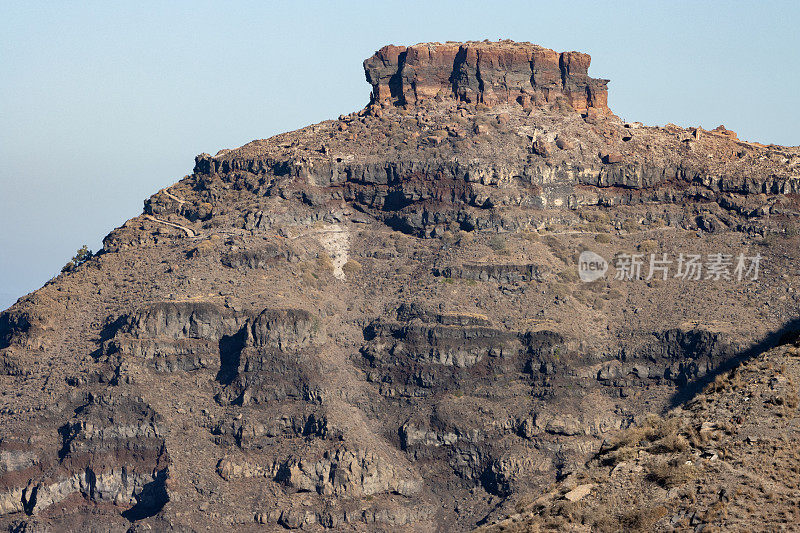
<point>103,103</point>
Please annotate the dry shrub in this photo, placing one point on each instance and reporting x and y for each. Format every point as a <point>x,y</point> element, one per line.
<point>465,238</point>
<point>657,434</point>
<point>642,519</point>
<point>206,247</point>
<point>315,274</point>
<point>558,249</point>
<point>598,222</point>
<point>568,275</point>
<point>791,400</point>
<point>324,263</point>
<point>648,246</point>
<point>448,238</point>
<point>726,380</point>
<point>404,271</point>
<point>630,225</point>
<point>671,472</point>
<point>351,266</point>
<point>613,294</point>
<point>670,443</point>
<point>309,279</point>
<point>497,244</point>
<point>596,217</point>
<point>532,236</point>
<point>605,520</point>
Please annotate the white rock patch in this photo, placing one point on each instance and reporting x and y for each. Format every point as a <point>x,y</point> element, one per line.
<point>336,241</point>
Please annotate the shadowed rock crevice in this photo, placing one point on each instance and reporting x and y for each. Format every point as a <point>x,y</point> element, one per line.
<point>150,500</point>
<point>230,354</point>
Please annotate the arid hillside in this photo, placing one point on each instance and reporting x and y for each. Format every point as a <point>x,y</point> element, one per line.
<point>444,311</point>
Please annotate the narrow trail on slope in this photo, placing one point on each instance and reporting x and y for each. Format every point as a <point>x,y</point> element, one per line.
<point>189,231</point>
<point>172,196</point>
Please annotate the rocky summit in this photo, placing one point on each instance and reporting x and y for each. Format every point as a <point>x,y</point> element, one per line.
<point>484,300</point>
<point>486,72</point>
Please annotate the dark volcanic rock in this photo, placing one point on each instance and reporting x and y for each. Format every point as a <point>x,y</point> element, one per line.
<point>378,322</point>
<point>485,72</point>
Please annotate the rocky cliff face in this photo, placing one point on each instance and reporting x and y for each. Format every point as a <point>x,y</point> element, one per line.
<point>377,322</point>
<point>699,467</point>
<point>485,72</point>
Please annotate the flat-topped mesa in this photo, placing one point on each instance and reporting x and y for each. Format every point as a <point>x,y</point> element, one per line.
<point>485,72</point>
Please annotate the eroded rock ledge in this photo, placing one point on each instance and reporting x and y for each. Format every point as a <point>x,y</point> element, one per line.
<point>485,72</point>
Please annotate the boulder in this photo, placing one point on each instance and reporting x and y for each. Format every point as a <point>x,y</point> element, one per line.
<point>579,492</point>
<point>612,158</point>
<point>541,147</point>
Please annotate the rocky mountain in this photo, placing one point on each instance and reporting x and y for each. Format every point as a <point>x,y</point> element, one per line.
<point>725,461</point>
<point>444,311</point>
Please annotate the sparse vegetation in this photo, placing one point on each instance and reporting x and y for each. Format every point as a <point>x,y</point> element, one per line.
<point>81,256</point>
<point>465,238</point>
<point>324,262</point>
<point>559,250</point>
<point>630,225</point>
<point>351,267</point>
<point>671,472</point>
<point>498,244</point>
<point>569,275</point>
<point>647,246</point>
<point>595,221</point>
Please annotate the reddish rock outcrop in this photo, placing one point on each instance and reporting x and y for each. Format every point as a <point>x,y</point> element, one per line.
<point>486,72</point>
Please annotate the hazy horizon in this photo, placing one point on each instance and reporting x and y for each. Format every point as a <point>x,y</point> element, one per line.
<point>104,105</point>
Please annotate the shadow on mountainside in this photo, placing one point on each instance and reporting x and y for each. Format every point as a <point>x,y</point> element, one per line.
<point>788,333</point>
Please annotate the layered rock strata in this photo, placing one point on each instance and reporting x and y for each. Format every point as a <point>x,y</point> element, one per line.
<point>377,322</point>
<point>486,72</point>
